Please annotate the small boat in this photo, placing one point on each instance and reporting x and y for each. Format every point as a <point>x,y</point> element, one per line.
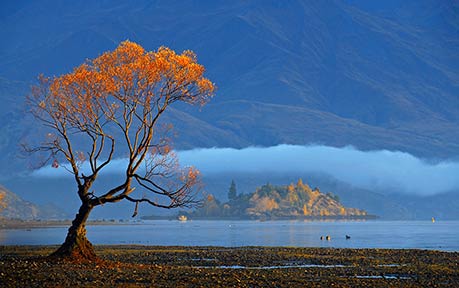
<point>182,218</point>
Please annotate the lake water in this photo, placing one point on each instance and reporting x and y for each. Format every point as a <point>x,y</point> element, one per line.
<point>442,235</point>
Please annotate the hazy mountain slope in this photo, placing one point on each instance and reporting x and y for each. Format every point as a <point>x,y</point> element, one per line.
<point>18,208</point>
<point>270,124</point>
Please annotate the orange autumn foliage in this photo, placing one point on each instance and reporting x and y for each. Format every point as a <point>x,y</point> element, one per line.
<point>2,201</point>
<point>126,89</point>
<point>112,104</point>
<point>127,76</point>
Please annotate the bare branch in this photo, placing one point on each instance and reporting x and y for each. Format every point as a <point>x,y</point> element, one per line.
<point>188,204</point>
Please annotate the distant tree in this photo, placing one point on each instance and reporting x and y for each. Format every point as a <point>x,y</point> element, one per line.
<point>232,192</point>
<point>112,104</point>
<point>292,195</point>
<point>305,210</point>
<point>300,184</point>
<point>2,201</point>
<point>211,207</point>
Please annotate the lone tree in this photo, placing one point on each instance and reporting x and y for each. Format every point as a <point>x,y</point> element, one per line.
<point>110,106</point>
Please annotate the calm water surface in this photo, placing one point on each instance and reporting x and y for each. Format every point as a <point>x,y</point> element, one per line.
<point>364,234</point>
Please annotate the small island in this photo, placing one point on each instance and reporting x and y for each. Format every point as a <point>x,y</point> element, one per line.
<point>271,202</point>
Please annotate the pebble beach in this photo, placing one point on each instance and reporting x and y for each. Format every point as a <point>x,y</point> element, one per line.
<point>157,266</point>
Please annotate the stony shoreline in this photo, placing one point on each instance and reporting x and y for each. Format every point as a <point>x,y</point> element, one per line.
<point>157,266</point>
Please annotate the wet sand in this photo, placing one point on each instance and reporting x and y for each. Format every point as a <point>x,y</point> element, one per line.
<point>156,266</point>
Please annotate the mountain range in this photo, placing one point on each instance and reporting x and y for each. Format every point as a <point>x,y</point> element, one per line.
<point>372,74</point>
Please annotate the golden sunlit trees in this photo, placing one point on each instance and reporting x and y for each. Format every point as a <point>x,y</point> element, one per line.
<point>2,200</point>
<point>111,105</point>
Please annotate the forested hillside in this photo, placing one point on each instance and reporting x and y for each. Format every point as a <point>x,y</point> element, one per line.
<point>279,202</point>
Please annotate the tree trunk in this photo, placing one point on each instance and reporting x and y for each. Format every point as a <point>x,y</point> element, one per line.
<point>76,245</point>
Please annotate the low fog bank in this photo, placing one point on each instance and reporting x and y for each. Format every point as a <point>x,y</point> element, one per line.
<point>384,171</point>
